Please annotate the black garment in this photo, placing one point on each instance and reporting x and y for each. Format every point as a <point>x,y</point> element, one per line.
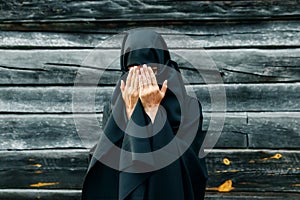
<point>184,178</point>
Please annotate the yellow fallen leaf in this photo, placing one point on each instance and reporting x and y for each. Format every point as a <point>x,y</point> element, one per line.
<point>44,184</point>
<point>226,161</point>
<point>37,165</point>
<point>225,187</point>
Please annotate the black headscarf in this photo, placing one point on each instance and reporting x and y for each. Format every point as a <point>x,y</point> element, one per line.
<point>145,46</point>
<point>183,178</point>
<point>136,50</point>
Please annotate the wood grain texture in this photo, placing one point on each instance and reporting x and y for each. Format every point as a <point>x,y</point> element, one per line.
<point>249,170</point>
<point>254,45</point>
<point>252,195</point>
<point>60,131</point>
<point>58,194</point>
<point>254,170</point>
<point>241,130</point>
<point>257,34</point>
<point>57,67</point>
<point>144,10</point>
<point>268,127</point>
<point>42,132</point>
<point>43,169</point>
<point>190,27</point>
<point>239,97</point>
<point>45,194</point>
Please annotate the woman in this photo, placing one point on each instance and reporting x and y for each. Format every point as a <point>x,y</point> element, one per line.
<point>149,110</point>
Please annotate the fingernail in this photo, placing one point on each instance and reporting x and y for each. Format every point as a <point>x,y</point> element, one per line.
<point>144,65</point>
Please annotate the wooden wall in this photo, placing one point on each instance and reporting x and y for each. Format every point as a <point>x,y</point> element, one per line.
<point>254,43</point>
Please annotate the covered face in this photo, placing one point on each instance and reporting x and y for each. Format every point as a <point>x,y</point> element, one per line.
<point>143,47</point>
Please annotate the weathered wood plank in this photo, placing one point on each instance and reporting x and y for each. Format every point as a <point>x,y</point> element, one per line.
<point>41,132</point>
<point>16,39</point>
<point>246,65</point>
<point>43,169</point>
<point>190,27</point>
<point>255,130</point>
<point>59,131</point>
<point>211,35</point>
<point>239,97</point>
<point>252,195</point>
<point>50,99</point>
<point>254,170</point>
<point>144,10</point>
<point>247,170</point>
<point>233,132</point>
<point>45,194</point>
<point>55,194</point>
<point>58,67</point>
<point>264,128</point>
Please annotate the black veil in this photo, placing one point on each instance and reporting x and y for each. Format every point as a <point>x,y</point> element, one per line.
<point>184,177</point>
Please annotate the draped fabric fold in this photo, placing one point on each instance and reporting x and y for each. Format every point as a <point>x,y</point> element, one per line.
<point>177,126</point>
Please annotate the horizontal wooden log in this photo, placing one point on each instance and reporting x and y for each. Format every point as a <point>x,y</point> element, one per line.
<point>240,170</point>
<point>251,66</point>
<point>207,35</point>
<point>16,39</point>
<point>41,132</point>
<point>191,27</point>
<point>241,130</point>
<point>144,10</point>
<point>252,195</point>
<point>43,169</point>
<point>45,194</point>
<point>239,97</point>
<point>233,134</point>
<point>59,67</point>
<point>252,97</point>
<point>54,194</point>
<point>59,131</point>
<point>265,128</point>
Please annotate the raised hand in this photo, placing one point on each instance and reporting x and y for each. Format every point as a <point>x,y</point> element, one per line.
<point>130,90</point>
<point>149,92</point>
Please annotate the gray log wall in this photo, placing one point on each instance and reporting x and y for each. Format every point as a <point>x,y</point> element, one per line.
<point>256,48</point>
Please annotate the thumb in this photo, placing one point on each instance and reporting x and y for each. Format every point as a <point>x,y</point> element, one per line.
<point>164,87</point>
<point>122,87</point>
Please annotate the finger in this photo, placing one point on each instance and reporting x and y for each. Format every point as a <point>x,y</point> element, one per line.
<point>141,86</point>
<point>148,78</point>
<point>122,87</point>
<point>128,80</point>
<point>152,76</point>
<point>143,77</point>
<point>164,87</point>
<point>133,75</point>
<point>136,79</point>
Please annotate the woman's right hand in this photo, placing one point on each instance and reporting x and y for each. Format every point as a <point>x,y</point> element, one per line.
<point>130,90</point>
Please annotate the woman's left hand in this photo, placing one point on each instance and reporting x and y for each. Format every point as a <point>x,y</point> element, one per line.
<point>149,92</point>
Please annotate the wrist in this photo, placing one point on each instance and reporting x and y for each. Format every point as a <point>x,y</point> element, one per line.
<point>151,109</point>
<point>129,112</point>
<point>130,109</point>
<point>151,112</point>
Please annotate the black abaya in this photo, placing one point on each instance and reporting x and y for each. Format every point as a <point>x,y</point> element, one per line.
<point>182,179</point>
